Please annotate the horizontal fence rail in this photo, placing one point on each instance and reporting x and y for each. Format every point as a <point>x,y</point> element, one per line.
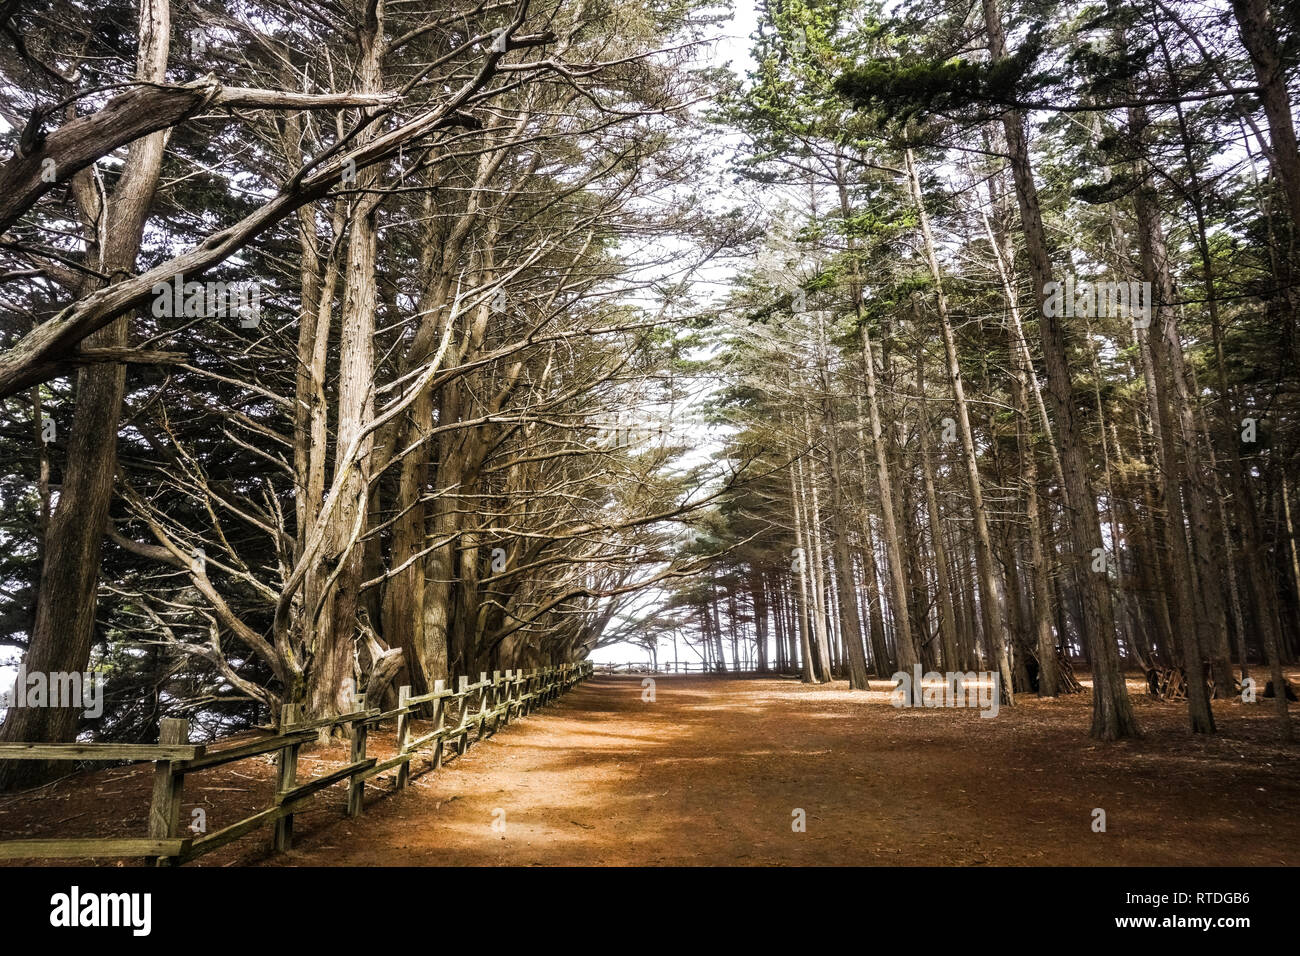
<point>477,709</point>
<point>679,667</point>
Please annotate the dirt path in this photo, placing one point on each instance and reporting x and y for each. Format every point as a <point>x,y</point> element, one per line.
<point>711,772</point>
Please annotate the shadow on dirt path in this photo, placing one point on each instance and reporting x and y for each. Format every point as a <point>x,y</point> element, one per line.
<point>713,769</point>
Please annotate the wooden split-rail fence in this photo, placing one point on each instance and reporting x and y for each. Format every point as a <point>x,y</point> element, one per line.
<point>479,710</point>
<point>679,667</point>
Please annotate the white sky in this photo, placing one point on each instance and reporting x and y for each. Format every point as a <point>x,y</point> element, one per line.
<point>731,48</point>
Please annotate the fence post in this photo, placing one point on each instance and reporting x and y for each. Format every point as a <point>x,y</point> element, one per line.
<point>462,742</point>
<point>357,784</point>
<point>285,778</point>
<point>168,788</point>
<point>497,689</point>
<point>403,735</point>
<point>484,692</point>
<point>510,695</point>
<point>438,715</point>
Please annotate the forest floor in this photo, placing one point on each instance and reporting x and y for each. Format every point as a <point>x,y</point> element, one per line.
<point>713,770</point>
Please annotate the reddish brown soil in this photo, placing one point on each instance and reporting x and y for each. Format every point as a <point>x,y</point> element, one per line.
<point>711,771</point>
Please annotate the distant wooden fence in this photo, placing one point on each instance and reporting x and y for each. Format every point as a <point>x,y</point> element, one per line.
<point>480,708</point>
<point>672,667</point>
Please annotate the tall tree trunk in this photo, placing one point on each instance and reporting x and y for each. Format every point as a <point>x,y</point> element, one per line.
<point>759,594</point>
<point>850,620</point>
<point>816,585</point>
<point>801,562</point>
<point>904,646</point>
<point>991,590</point>
<point>1112,714</point>
<point>1049,675</point>
<point>879,646</point>
<point>63,631</point>
<point>331,648</point>
<point>1168,372</point>
<point>943,574</point>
